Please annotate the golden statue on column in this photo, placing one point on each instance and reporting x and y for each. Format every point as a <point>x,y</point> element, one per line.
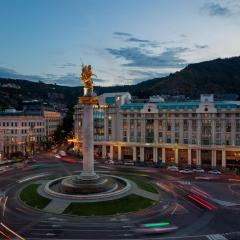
<point>89,96</point>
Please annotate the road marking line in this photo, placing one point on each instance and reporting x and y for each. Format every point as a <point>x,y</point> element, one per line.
<point>32,177</point>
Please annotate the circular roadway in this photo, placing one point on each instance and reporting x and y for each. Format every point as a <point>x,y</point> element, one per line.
<point>200,207</point>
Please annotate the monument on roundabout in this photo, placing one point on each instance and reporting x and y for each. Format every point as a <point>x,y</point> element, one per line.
<point>88,181</point>
<point>88,184</point>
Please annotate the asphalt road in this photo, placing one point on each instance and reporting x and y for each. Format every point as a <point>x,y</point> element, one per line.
<point>193,219</point>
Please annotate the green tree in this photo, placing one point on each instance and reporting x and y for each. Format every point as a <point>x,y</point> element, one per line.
<point>65,129</point>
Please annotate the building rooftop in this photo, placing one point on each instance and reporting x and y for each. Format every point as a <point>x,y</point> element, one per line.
<point>19,113</point>
<point>183,105</point>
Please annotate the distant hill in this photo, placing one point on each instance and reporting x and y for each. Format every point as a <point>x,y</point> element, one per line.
<point>219,76</point>
<point>14,91</point>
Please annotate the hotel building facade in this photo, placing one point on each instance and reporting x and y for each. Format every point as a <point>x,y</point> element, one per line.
<point>203,133</point>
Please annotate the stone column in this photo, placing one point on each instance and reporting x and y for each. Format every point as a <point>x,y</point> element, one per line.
<point>223,158</point>
<point>176,156</point>
<point>141,154</point>
<point>119,153</point>
<point>199,162</point>
<point>155,154</point>
<point>214,160</point>
<point>163,156</point>
<point>134,154</point>
<point>87,133</point>
<point>111,152</point>
<point>189,157</point>
<point>104,151</point>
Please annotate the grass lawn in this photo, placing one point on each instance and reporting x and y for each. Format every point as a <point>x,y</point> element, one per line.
<point>126,204</point>
<point>30,196</point>
<point>147,186</point>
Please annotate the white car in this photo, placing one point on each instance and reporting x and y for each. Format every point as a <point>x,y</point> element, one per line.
<point>172,168</point>
<point>110,162</point>
<point>129,163</point>
<point>62,154</point>
<point>214,171</point>
<point>199,170</point>
<point>186,170</point>
<point>57,156</point>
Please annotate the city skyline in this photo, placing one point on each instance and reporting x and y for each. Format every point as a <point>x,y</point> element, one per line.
<point>126,41</point>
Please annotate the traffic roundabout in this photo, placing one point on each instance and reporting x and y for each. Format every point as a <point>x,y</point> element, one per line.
<point>127,196</point>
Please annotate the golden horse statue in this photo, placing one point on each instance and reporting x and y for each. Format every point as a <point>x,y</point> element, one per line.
<point>86,76</point>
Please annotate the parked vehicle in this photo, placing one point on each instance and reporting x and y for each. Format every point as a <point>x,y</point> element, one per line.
<point>186,170</point>
<point>215,171</point>
<point>199,170</point>
<point>172,168</point>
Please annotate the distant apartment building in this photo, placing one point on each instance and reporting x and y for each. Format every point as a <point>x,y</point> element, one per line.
<point>21,132</point>
<point>53,118</point>
<point>201,133</point>
<point>27,131</point>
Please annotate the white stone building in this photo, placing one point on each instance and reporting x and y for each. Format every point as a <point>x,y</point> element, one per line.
<point>191,133</point>
<point>21,132</point>
<point>53,120</point>
<point>25,131</point>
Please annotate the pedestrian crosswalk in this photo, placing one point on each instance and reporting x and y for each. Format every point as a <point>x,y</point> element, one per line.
<point>216,237</point>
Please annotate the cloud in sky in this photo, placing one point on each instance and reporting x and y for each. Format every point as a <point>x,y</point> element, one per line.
<point>216,9</point>
<point>69,79</point>
<point>201,46</point>
<point>142,75</point>
<point>136,57</point>
<point>67,65</point>
<point>122,34</point>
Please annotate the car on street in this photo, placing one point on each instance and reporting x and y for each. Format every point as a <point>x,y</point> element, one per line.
<point>199,170</point>
<point>62,153</point>
<point>215,172</point>
<point>57,156</point>
<point>156,228</point>
<point>129,163</point>
<point>186,170</point>
<point>172,168</point>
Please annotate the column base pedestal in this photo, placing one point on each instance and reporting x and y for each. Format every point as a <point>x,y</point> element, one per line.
<point>87,176</point>
<point>87,184</point>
